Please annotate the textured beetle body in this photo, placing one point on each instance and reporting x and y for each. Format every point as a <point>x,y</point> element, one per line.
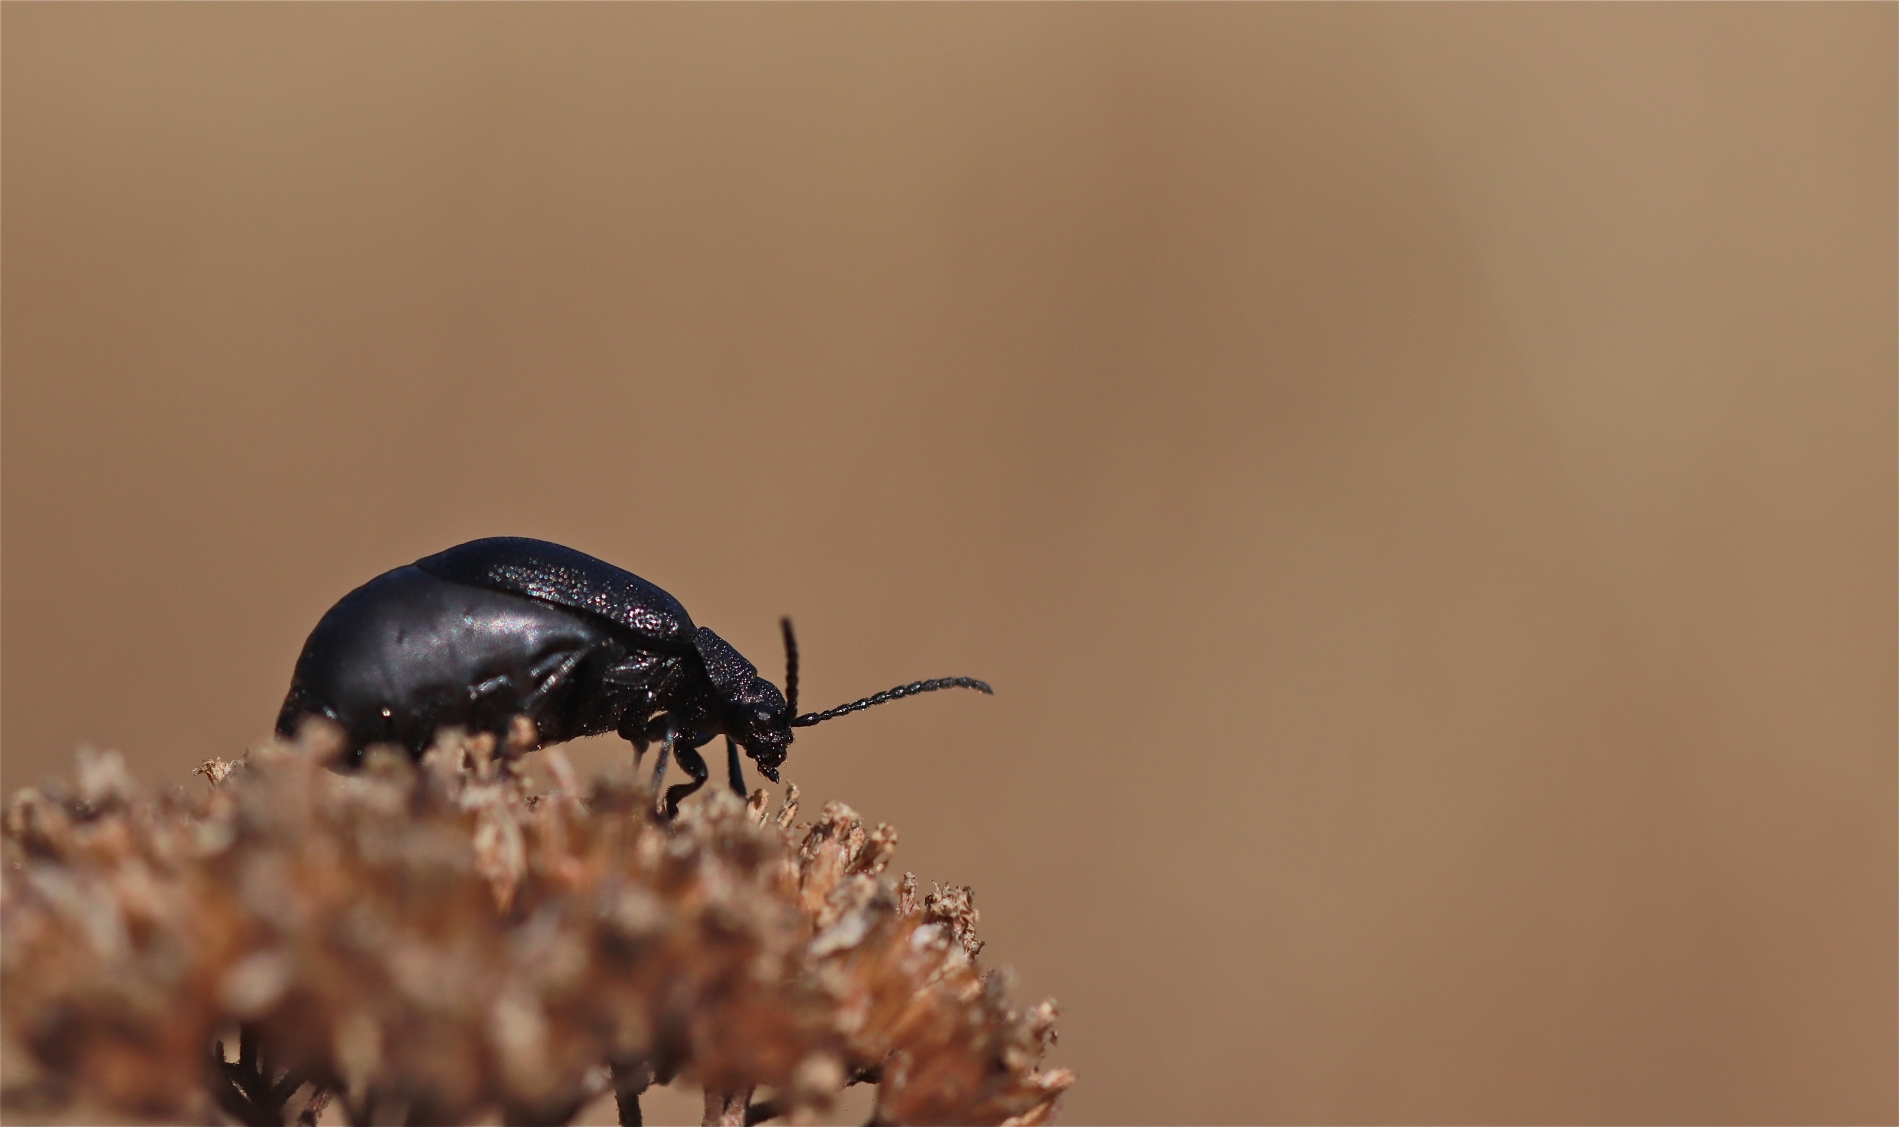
<point>493,629</point>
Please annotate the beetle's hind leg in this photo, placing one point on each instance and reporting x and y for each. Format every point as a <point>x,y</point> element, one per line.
<point>552,678</point>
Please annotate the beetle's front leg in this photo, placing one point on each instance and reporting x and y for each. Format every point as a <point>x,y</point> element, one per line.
<point>687,752</point>
<point>733,768</point>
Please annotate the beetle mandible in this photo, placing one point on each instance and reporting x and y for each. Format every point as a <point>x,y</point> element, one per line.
<point>508,626</point>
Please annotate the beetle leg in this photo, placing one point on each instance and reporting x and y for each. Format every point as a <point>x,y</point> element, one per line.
<point>733,768</point>
<point>687,752</point>
<point>553,674</point>
<point>490,687</point>
<point>488,709</point>
<point>633,729</point>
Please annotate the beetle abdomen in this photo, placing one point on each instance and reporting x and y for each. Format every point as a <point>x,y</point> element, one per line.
<point>408,652</point>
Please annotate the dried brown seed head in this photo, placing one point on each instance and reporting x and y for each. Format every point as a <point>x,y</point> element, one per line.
<point>431,942</point>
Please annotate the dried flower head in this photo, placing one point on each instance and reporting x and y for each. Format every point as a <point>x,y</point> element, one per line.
<point>433,944</point>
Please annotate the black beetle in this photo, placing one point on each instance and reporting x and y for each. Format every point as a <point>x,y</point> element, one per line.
<point>507,626</point>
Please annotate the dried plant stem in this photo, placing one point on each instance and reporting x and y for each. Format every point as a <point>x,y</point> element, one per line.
<point>245,1089</point>
<point>313,1110</point>
<point>727,1108</point>
<point>629,1081</point>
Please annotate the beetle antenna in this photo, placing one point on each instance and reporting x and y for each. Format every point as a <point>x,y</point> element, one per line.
<point>888,695</point>
<point>791,666</point>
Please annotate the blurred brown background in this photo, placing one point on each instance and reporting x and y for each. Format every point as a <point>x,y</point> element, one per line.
<point>1420,478</point>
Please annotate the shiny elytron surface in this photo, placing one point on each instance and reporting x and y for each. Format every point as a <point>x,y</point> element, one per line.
<point>565,577</point>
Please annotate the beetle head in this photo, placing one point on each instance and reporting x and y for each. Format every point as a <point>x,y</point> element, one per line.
<point>753,713</point>
<point>751,710</point>
<point>767,742</point>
